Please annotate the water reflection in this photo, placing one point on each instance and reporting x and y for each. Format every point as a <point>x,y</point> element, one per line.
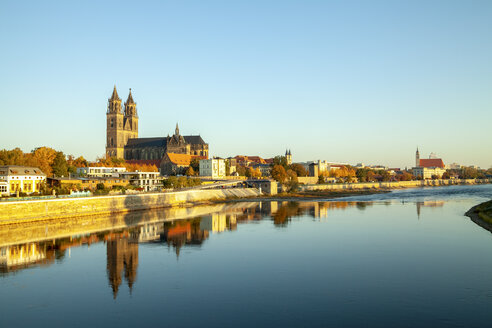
<point>176,229</point>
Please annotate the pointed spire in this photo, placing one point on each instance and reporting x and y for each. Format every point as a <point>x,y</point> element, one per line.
<point>176,132</point>
<point>130,98</point>
<point>114,96</point>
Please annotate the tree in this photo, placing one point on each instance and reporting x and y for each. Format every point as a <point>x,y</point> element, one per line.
<point>385,175</point>
<point>43,158</point>
<point>253,173</point>
<point>190,171</point>
<point>241,170</point>
<point>280,160</point>
<point>299,169</point>
<point>279,173</point>
<point>59,165</point>
<point>228,167</point>
<point>195,165</point>
<point>371,176</point>
<point>406,176</point>
<point>469,173</point>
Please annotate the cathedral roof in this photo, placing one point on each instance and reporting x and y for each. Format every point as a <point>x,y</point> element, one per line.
<point>194,140</point>
<point>146,142</point>
<point>114,96</point>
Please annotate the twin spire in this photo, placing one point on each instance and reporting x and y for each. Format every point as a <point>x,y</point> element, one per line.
<point>129,101</point>
<point>114,96</point>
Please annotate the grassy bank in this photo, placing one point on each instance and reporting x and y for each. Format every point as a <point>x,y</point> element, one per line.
<point>481,212</point>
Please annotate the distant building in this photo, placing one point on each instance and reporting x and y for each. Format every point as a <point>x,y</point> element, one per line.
<point>428,168</point>
<point>214,168</point>
<point>175,164</point>
<point>453,166</point>
<point>89,183</point>
<point>147,181</point>
<point>288,157</point>
<point>24,179</point>
<point>265,169</point>
<point>324,166</point>
<point>100,172</point>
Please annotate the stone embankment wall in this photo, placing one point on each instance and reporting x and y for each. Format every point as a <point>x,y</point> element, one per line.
<point>13,212</point>
<point>395,185</point>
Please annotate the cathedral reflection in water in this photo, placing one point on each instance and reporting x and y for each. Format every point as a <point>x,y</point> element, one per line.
<point>122,244</point>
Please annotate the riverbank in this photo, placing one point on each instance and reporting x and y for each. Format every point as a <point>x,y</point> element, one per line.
<point>316,195</point>
<point>482,215</point>
<point>394,184</point>
<point>36,210</point>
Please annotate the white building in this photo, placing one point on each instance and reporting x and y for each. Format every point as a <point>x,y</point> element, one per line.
<point>214,168</point>
<point>323,166</point>
<point>100,172</point>
<point>428,172</point>
<point>148,181</point>
<point>14,178</point>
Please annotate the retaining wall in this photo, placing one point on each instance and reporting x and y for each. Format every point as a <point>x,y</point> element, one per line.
<point>12,212</point>
<point>395,185</point>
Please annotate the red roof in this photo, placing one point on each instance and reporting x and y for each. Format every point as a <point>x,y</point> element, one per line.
<point>432,162</point>
<point>179,159</point>
<point>155,162</point>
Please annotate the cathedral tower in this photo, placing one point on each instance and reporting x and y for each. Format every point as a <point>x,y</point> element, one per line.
<point>131,119</point>
<point>288,157</point>
<point>417,158</point>
<point>114,127</point>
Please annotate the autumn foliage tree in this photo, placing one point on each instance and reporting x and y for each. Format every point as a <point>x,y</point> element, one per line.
<point>279,173</point>
<point>299,170</point>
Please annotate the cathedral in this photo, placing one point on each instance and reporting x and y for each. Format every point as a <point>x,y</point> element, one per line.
<point>122,139</point>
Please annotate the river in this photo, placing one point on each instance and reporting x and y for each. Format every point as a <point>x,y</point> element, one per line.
<point>409,258</point>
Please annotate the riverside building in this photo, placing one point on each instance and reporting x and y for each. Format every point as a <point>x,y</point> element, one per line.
<point>14,178</point>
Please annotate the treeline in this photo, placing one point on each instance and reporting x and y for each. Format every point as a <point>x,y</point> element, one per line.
<point>174,182</point>
<point>56,163</point>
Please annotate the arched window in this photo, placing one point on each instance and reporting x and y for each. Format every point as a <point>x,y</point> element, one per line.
<point>112,122</point>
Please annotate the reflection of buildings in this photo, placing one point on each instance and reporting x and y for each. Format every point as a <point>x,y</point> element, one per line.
<point>122,257</point>
<point>431,203</point>
<point>16,257</point>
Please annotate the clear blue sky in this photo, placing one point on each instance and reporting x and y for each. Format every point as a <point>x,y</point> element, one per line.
<point>350,81</point>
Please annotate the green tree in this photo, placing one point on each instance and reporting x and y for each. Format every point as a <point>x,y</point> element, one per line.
<point>59,166</point>
<point>280,160</point>
<point>195,165</point>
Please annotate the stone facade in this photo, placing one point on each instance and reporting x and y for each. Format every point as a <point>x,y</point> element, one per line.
<point>20,211</point>
<point>120,126</point>
<point>123,141</point>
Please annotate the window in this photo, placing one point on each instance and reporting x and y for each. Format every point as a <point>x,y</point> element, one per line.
<point>112,122</point>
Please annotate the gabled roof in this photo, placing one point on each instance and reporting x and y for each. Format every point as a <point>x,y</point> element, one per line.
<point>431,162</point>
<point>179,159</point>
<point>20,170</point>
<point>194,140</point>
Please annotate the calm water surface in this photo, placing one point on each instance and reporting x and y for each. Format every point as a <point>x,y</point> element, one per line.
<point>405,259</point>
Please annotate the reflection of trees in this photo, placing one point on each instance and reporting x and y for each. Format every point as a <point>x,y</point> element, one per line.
<point>285,212</point>
<point>183,232</point>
